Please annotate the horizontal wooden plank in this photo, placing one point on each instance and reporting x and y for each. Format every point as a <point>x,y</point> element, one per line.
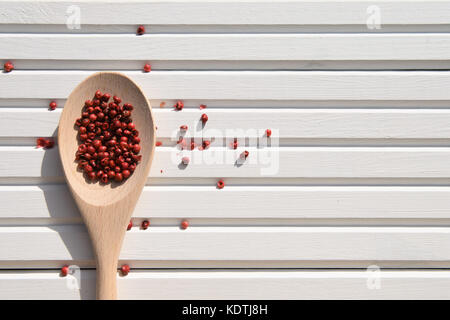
<point>290,123</point>
<point>246,85</point>
<point>287,47</point>
<point>225,12</point>
<point>361,246</point>
<point>243,202</point>
<point>235,284</point>
<point>286,162</point>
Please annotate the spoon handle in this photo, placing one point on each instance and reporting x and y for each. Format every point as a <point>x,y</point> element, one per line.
<point>107,231</point>
<point>106,279</point>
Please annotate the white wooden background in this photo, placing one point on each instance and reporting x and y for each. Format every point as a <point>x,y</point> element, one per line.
<point>364,123</point>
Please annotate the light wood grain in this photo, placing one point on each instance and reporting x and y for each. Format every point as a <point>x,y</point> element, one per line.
<point>243,202</point>
<point>106,209</point>
<point>226,13</point>
<point>236,47</point>
<point>291,123</point>
<point>248,85</point>
<point>326,247</point>
<point>237,284</point>
<point>285,162</point>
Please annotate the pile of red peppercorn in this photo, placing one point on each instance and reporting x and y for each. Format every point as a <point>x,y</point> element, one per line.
<point>109,142</point>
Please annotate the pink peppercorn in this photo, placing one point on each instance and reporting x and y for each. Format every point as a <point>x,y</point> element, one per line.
<point>145,224</point>
<point>140,30</point>
<point>125,269</point>
<point>179,105</point>
<point>52,105</point>
<point>184,224</point>
<point>65,270</point>
<point>130,225</point>
<point>185,160</point>
<point>220,184</point>
<point>204,118</point>
<point>147,68</point>
<point>8,66</point>
<point>268,133</point>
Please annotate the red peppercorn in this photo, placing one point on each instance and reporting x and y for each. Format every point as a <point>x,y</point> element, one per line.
<point>220,184</point>
<point>147,68</point>
<point>49,143</point>
<point>117,100</point>
<point>140,30</point>
<point>126,173</point>
<point>202,106</point>
<point>268,133</point>
<point>179,105</point>
<point>40,142</point>
<point>192,145</point>
<point>118,177</point>
<point>244,154</point>
<point>110,142</point>
<point>206,144</point>
<point>204,118</point>
<point>65,270</point>
<point>8,66</point>
<point>235,144</point>
<point>130,225</point>
<point>158,143</point>
<point>52,105</point>
<point>183,127</point>
<point>145,224</point>
<point>125,269</point>
<point>98,95</point>
<point>184,224</point>
<point>185,160</point>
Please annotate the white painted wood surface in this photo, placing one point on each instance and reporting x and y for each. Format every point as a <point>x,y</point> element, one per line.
<point>361,124</point>
<point>236,284</point>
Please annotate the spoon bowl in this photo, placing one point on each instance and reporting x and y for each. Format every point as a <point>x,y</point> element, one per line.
<point>106,208</point>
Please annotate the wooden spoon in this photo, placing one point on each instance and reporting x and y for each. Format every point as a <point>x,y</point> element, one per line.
<point>106,209</point>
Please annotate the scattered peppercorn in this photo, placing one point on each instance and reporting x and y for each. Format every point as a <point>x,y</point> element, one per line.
<point>235,144</point>
<point>179,105</point>
<point>268,133</point>
<point>130,225</point>
<point>52,105</point>
<point>109,148</point>
<point>202,106</point>
<point>162,104</point>
<point>140,30</point>
<point>206,144</point>
<point>145,224</point>
<point>244,154</point>
<point>184,224</point>
<point>65,270</point>
<point>125,269</point>
<point>147,68</point>
<point>185,160</point>
<point>192,145</point>
<point>220,184</point>
<point>40,142</point>
<point>8,66</point>
<point>183,127</point>
<point>204,118</point>
<point>45,143</point>
<point>158,143</point>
